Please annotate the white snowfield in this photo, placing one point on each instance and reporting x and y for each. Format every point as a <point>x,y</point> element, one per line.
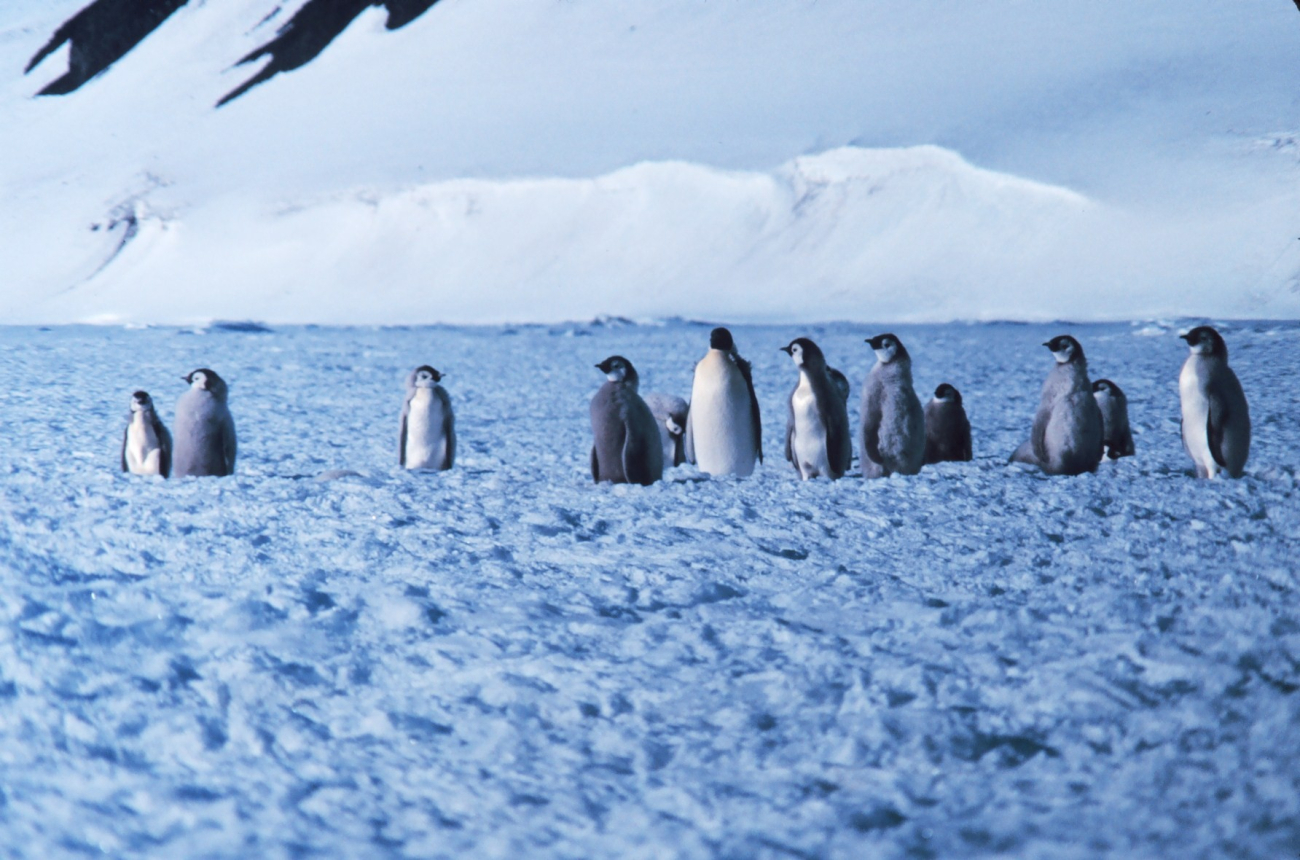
<point>506,660</point>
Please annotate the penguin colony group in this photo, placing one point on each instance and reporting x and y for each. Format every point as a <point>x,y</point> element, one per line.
<point>1077,423</point>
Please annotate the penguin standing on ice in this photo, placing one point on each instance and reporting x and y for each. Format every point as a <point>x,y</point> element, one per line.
<point>1115,432</point>
<point>671,413</point>
<point>205,431</point>
<point>628,449</point>
<point>1216,419</point>
<point>892,421</point>
<point>817,439</point>
<point>947,429</point>
<point>1067,433</point>
<point>724,433</point>
<point>427,438</point>
<point>146,444</point>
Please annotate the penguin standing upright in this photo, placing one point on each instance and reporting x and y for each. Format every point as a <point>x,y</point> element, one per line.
<point>947,429</point>
<point>724,432</point>
<point>671,413</point>
<point>1216,418</point>
<point>1066,437</point>
<point>146,444</point>
<point>427,438</point>
<point>627,449</point>
<point>205,431</point>
<point>1115,432</point>
<point>817,439</point>
<point>892,421</point>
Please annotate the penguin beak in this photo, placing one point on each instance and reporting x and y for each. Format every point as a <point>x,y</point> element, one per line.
<point>788,350</point>
<point>1187,337</point>
<point>1047,343</point>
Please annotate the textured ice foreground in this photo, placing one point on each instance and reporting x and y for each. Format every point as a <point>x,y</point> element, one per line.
<point>507,661</point>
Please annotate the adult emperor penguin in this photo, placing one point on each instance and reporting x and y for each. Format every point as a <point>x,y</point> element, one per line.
<point>146,444</point>
<point>724,433</point>
<point>1066,437</point>
<point>817,439</point>
<point>1216,419</point>
<point>671,413</point>
<point>947,429</point>
<point>205,432</point>
<point>427,439</point>
<point>892,421</point>
<point>1115,432</point>
<point>628,449</point>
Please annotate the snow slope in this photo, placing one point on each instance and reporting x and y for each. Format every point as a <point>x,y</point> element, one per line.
<point>1175,119</point>
<point>505,660</point>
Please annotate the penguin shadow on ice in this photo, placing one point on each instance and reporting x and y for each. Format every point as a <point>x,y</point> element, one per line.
<point>1066,438</point>
<point>817,438</point>
<point>627,448</point>
<point>427,427</point>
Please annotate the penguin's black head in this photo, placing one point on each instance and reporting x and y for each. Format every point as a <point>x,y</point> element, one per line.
<point>840,381</point>
<point>1065,348</point>
<point>140,401</point>
<point>887,347</point>
<point>947,393</point>
<point>1204,340</point>
<point>618,369</point>
<point>720,338</point>
<point>804,352</point>
<point>425,376</point>
<point>1105,385</point>
<point>206,379</point>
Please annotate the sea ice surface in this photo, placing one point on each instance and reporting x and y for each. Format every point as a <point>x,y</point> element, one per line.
<point>326,655</point>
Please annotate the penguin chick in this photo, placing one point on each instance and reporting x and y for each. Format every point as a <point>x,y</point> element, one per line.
<point>841,383</point>
<point>204,442</point>
<point>892,421</point>
<point>671,414</point>
<point>1066,436</point>
<point>947,429</point>
<point>724,431</point>
<point>1216,418</point>
<point>146,444</point>
<point>427,437</point>
<point>1115,432</point>
<point>817,439</point>
<point>628,449</point>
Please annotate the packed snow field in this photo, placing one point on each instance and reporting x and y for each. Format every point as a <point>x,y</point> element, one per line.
<point>506,660</point>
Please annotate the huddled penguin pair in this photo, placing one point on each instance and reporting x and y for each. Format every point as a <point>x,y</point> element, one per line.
<point>205,432</point>
<point>427,435</point>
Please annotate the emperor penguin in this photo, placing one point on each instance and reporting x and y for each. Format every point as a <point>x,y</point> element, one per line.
<point>892,421</point>
<point>947,429</point>
<point>1067,433</point>
<point>841,383</point>
<point>724,433</point>
<point>427,437</point>
<point>628,449</point>
<point>671,413</point>
<point>1216,419</point>
<point>817,439</point>
<point>146,444</point>
<point>205,431</point>
<point>1115,432</point>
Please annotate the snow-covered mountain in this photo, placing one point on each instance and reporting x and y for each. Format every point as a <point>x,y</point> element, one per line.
<point>487,160</point>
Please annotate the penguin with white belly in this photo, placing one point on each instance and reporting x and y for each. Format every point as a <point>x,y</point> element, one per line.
<point>817,439</point>
<point>146,444</point>
<point>1216,417</point>
<point>427,438</point>
<point>724,432</point>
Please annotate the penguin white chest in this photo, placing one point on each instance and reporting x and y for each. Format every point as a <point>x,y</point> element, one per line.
<point>809,443</point>
<point>722,423</point>
<point>425,443</point>
<point>143,449</point>
<point>1196,418</point>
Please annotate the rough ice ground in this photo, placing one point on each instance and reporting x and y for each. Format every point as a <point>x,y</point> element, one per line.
<point>507,661</point>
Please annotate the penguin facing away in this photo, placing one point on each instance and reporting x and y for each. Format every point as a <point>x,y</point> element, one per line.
<point>817,439</point>
<point>146,444</point>
<point>724,431</point>
<point>1216,417</point>
<point>1067,432</point>
<point>671,414</point>
<point>892,421</point>
<point>627,449</point>
<point>1115,432</point>
<point>427,436</point>
<point>204,442</point>
<point>947,429</point>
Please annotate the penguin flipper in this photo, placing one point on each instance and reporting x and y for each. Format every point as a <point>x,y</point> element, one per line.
<point>595,465</point>
<point>229,446</point>
<point>638,456</point>
<point>964,452</point>
<point>125,434</point>
<point>871,415</point>
<point>164,448</point>
<point>688,438</point>
<point>789,432</point>
<point>1229,424</point>
<point>747,371</point>
<point>401,435</point>
<point>448,428</point>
